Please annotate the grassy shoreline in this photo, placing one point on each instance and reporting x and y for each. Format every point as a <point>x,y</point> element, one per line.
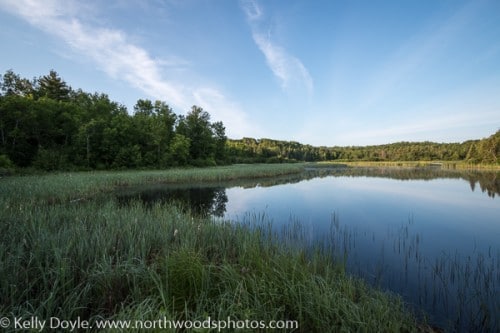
<point>71,186</point>
<point>67,258</point>
<point>446,165</point>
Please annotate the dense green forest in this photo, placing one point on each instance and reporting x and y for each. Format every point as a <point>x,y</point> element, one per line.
<point>46,124</point>
<point>249,150</point>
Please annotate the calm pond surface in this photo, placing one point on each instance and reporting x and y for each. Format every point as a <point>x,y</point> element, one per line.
<point>430,235</point>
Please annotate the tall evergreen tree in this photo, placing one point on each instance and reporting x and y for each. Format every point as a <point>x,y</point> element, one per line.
<point>53,87</point>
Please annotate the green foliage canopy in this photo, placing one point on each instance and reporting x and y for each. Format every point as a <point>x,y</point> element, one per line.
<point>46,124</point>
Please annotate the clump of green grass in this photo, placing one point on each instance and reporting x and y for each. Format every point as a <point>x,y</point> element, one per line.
<point>97,259</point>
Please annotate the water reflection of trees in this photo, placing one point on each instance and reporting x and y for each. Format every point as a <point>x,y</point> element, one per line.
<point>202,201</point>
<point>489,181</point>
<point>210,198</point>
<point>490,185</point>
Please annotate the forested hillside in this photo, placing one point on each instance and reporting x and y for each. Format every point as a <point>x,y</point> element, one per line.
<point>46,124</point>
<point>266,150</point>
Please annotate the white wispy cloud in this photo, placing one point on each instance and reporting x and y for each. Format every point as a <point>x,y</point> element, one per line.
<point>113,52</point>
<point>108,48</point>
<point>290,71</point>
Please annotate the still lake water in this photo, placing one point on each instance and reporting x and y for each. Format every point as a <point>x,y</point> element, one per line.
<point>431,236</point>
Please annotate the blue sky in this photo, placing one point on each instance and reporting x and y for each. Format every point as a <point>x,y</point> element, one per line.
<point>318,72</point>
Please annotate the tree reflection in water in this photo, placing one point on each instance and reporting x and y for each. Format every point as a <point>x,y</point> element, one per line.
<point>211,199</point>
<point>201,201</point>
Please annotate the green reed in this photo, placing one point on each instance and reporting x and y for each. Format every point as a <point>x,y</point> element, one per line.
<point>92,258</point>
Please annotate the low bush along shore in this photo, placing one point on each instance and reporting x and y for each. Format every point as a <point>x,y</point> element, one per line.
<point>94,259</point>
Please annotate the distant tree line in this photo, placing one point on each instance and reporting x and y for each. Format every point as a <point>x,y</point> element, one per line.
<point>248,150</point>
<point>46,124</point>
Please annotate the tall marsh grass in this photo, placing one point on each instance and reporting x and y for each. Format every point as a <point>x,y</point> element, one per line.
<point>68,258</point>
<point>78,186</point>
